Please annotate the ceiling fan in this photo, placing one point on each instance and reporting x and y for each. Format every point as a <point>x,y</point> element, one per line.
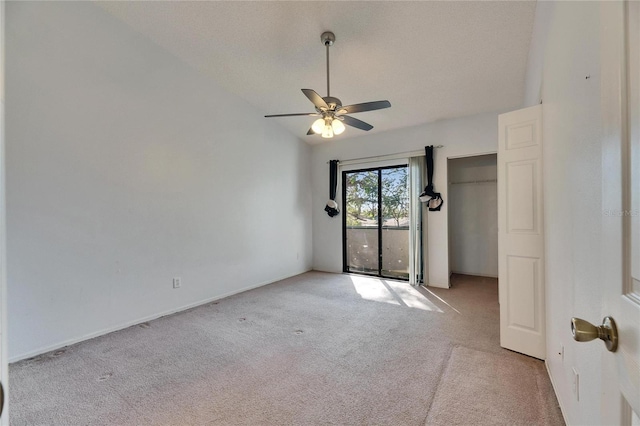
<point>330,110</point>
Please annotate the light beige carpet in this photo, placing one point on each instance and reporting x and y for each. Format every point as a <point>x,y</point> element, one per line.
<point>313,349</point>
<point>491,389</point>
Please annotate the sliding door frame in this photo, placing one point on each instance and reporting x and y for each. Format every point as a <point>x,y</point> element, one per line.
<point>345,267</point>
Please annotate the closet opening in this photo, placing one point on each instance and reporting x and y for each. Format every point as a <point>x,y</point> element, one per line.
<point>473,215</point>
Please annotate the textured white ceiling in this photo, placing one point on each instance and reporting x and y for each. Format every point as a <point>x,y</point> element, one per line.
<point>431,60</point>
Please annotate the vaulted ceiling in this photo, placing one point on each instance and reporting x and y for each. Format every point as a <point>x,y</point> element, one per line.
<point>431,60</point>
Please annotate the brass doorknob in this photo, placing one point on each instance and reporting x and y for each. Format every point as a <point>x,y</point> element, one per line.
<point>584,331</point>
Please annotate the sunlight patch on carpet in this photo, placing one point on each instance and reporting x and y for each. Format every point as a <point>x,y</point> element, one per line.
<point>392,292</point>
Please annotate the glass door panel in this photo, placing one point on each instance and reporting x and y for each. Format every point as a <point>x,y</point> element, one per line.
<point>362,209</point>
<point>395,225</point>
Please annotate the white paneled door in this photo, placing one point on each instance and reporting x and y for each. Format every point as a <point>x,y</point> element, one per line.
<point>4,366</point>
<point>520,232</point>
<point>621,212</point>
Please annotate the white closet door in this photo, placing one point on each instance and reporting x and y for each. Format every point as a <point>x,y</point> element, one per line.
<point>520,232</point>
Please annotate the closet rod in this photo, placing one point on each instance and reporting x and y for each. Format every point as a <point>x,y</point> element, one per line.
<point>390,156</point>
<point>473,181</point>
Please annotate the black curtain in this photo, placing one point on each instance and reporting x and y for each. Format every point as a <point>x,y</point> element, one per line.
<point>434,199</point>
<point>332,207</point>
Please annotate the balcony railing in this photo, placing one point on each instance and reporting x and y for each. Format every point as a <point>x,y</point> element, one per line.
<point>362,250</point>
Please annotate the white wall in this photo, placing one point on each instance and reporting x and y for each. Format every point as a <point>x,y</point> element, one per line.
<point>125,168</point>
<point>535,63</point>
<point>473,215</point>
<point>572,138</point>
<point>477,134</point>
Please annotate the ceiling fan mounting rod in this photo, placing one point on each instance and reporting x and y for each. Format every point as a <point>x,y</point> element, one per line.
<point>328,92</point>
<point>328,38</point>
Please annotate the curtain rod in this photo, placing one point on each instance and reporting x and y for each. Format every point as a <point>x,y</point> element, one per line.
<point>389,156</point>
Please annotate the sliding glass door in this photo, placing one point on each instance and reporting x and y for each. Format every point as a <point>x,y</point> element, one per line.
<point>376,222</point>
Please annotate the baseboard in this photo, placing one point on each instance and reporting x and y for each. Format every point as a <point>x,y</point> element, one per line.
<point>555,390</point>
<point>436,285</point>
<point>329,270</point>
<point>128,324</point>
<point>475,274</point>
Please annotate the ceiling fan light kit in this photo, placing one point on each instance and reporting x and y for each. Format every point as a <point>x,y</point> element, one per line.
<point>327,127</point>
<point>330,109</point>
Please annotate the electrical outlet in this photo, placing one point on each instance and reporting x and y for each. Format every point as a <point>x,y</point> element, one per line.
<point>177,282</point>
<point>576,384</point>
